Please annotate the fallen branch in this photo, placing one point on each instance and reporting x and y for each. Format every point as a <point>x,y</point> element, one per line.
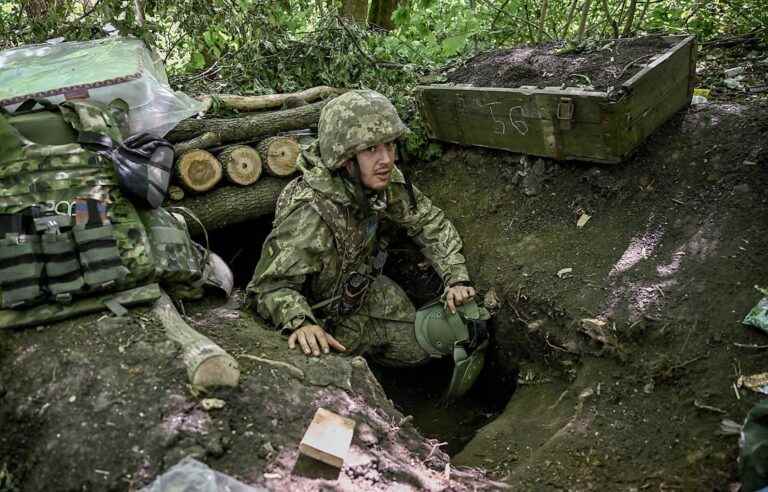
<point>207,364</point>
<point>269,101</point>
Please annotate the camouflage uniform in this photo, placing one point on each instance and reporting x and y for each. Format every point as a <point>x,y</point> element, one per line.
<point>321,234</point>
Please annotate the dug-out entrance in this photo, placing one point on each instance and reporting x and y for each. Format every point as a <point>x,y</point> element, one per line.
<point>417,391</point>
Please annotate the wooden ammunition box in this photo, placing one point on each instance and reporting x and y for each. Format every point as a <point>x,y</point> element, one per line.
<point>568,123</point>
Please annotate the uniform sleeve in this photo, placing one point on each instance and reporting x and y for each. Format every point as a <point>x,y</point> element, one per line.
<point>293,250</point>
<point>427,224</point>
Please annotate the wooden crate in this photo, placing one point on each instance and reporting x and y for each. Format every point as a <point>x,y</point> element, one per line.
<point>565,123</point>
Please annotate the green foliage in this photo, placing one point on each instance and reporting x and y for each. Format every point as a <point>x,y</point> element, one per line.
<point>258,47</point>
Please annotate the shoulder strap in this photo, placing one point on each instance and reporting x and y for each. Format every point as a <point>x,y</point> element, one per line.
<point>29,105</point>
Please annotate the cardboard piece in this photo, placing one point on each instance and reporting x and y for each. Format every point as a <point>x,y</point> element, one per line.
<point>328,438</point>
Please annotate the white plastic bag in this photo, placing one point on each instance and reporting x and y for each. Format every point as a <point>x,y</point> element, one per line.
<point>99,70</point>
<point>190,475</point>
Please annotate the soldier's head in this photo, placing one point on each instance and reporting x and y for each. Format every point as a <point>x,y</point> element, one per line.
<point>357,132</point>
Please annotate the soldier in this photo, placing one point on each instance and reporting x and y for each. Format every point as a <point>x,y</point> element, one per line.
<point>319,276</point>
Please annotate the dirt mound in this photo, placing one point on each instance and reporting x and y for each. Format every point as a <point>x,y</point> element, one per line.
<point>545,66</point>
<point>102,403</point>
<point>627,360</point>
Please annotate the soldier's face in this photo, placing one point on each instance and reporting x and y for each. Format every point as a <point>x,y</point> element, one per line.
<point>376,164</point>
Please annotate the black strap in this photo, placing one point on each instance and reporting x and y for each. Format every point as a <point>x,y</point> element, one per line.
<point>95,139</point>
<point>96,244</point>
<point>11,223</point>
<point>402,155</point>
<point>94,217</point>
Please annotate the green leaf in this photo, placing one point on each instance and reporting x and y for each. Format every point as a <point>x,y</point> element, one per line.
<point>197,61</point>
<point>451,45</point>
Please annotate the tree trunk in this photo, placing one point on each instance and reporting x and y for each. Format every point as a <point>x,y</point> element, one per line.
<point>242,164</point>
<point>630,19</point>
<point>528,22</point>
<point>641,19</point>
<point>569,19</point>
<point>609,19</point>
<point>229,205</point>
<point>380,14</point>
<point>208,365</point>
<point>584,18</point>
<point>542,19</point>
<point>279,155</point>
<point>249,128</point>
<point>198,170</point>
<point>355,10</point>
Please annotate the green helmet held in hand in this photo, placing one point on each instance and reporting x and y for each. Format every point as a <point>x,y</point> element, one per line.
<point>353,122</point>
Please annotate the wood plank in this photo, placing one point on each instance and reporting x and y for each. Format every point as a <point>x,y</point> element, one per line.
<point>683,47</point>
<point>653,99</point>
<point>675,98</point>
<point>328,438</point>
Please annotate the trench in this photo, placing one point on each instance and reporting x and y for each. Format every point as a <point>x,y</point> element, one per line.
<point>453,424</point>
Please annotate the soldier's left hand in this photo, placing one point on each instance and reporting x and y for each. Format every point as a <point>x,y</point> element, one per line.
<point>457,295</point>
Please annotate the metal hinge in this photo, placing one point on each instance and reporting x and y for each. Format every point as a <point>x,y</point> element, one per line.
<point>565,112</point>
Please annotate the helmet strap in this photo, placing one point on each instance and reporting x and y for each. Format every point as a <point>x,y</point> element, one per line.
<point>360,195</point>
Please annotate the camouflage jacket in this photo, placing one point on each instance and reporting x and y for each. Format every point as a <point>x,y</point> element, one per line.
<point>305,258</point>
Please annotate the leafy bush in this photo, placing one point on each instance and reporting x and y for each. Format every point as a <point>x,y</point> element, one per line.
<point>257,47</point>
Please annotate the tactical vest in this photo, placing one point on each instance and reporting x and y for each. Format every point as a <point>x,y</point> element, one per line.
<point>355,237</point>
<point>66,229</point>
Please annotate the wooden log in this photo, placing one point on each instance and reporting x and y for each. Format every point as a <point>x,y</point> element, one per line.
<point>230,205</point>
<point>279,155</point>
<point>198,170</point>
<point>269,101</point>
<point>204,141</point>
<point>208,365</point>
<point>242,164</point>
<point>249,128</point>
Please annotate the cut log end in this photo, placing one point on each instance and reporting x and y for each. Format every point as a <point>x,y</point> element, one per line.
<point>242,164</point>
<point>219,370</point>
<point>175,193</point>
<point>198,170</point>
<point>279,155</point>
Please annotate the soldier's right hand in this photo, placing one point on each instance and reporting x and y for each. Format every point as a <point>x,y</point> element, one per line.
<point>312,339</point>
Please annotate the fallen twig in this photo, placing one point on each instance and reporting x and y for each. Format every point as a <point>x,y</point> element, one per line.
<point>698,404</point>
<point>750,345</point>
<point>626,67</point>
<point>292,370</point>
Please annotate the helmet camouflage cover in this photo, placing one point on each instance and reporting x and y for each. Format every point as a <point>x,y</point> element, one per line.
<point>353,122</point>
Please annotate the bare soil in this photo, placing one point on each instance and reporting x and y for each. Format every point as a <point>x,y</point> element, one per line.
<point>550,65</point>
<point>668,261</point>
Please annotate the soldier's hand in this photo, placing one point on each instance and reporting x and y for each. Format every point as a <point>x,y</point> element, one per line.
<point>313,339</point>
<point>457,295</point>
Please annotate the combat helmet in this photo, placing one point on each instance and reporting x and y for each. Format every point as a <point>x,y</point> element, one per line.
<point>353,122</point>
